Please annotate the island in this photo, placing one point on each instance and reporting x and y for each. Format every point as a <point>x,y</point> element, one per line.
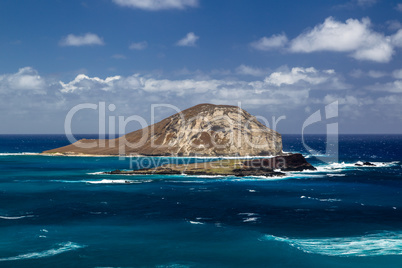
<point>205,130</point>
<point>268,167</point>
<point>202,130</point>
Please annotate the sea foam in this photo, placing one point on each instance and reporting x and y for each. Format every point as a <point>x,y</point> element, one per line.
<point>13,154</point>
<point>378,244</point>
<point>62,247</point>
<point>15,217</point>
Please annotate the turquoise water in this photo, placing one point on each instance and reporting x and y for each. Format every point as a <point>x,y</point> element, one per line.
<point>59,211</point>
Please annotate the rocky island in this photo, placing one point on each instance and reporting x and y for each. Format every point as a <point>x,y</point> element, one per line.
<point>202,130</point>
<point>274,166</point>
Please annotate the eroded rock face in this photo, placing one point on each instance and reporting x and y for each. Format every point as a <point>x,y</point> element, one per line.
<point>292,162</point>
<point>204,130</point>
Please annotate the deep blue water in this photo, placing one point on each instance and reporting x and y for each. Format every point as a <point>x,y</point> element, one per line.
<point>58,211</point>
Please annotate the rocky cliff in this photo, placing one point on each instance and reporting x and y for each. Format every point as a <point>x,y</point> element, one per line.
<point>204,130</point>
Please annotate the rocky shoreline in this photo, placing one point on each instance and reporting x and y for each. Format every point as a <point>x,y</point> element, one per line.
<point>269,167</point>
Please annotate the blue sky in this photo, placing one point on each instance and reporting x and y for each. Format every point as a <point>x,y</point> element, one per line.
<point>278,58</point>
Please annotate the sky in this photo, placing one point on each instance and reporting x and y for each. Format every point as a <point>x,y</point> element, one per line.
<point>279,60</point>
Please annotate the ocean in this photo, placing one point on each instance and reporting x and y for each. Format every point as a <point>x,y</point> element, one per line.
<point>60,211</point>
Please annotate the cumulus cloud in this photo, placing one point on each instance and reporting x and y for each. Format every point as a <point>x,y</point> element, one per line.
<point>83,82</point>
<point>143,90</point>
<point>353,36</point>
<point>139,46</point>
<point>269,43</point>
<point>154,5</point>
<point>26,79</point>
<point>188,41</point>
<point>43,102</point>
<point>396,39</point>
<point>297,74</point>
<point>88,39</point>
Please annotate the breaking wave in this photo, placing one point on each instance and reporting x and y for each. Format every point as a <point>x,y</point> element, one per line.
<point>105,181</point>
<point>62,247</point>
<point>379,244</point>
<point>11,154</point>
<point>15,217</point>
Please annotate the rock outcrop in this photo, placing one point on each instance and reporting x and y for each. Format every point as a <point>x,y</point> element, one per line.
<point>202,130</point>
<point>292,162</point>
<point>229,167</point>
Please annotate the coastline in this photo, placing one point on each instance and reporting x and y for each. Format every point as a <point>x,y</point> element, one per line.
<point>268,167</point>
<point>159,156</point>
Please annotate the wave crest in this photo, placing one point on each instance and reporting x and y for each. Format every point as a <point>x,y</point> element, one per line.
<point>378,244</point>
<point>63,247</point>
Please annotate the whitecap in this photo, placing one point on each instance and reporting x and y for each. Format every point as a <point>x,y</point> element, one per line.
<point>63,247</point>
<point>15,217</point>
<point>195,222</point>
<point>15,154</point>
<point>105,181</point>
<point>336,175</point>
<point>378,244</point>
<point>251,219</point>
<point>359,164</point>
<point>247,214</point>
<point>321,199</point>
<point>208,176</point>
<point>98,173</point>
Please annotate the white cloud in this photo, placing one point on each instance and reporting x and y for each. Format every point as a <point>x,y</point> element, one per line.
<point>188,41</point>
<point>353,36</point>
<point>83,82</point>
<point>32,100</point>
<point>399,7</point>
<point>154,5</point>
<point>276,89</point>
<point>26,79</point>
<point>247,70</point>
<point>139,46</point>
<point>396,39</point>
<point>88,39</point>
<point>269,43</point>
<point>297,74</point>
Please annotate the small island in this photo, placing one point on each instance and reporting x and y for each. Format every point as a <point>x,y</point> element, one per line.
<point>268,167</point>
<point>205,130</point>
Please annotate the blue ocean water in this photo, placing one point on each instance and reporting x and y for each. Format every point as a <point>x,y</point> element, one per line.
<point>58,211</point>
